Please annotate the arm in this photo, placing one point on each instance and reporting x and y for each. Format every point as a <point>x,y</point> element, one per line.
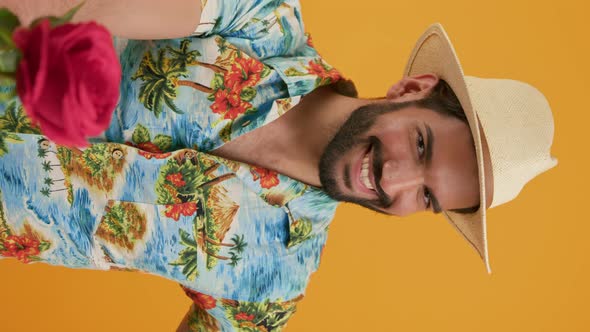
<point>134,19</point>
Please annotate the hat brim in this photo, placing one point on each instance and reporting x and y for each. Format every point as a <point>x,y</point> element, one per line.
<point>434,54</point>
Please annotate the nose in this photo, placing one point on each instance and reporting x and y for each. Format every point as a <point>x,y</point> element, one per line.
<point>400,176</point>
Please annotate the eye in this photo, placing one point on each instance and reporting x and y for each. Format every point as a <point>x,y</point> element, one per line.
<point>426,194</point>
<point>420,145</point>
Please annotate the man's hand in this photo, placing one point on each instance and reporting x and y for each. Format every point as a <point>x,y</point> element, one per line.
<point>134,19</point>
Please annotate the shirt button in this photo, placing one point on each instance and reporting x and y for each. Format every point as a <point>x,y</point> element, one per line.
<point>190,154</point>
<point>117,154</point>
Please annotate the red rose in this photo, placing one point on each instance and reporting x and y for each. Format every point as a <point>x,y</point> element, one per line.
<point>68,79</point>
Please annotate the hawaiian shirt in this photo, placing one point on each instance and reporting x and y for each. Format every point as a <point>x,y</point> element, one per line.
<point>146,196</point>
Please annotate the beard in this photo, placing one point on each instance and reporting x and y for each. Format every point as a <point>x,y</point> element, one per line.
<point>350,135</point>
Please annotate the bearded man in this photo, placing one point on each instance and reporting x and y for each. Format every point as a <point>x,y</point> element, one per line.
<point>232,144</point>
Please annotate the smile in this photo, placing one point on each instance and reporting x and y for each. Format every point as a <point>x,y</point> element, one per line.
<point>364,176</point>
<point>365,183</point>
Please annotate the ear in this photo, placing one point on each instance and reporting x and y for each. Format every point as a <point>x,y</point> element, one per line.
<point>412,88</point>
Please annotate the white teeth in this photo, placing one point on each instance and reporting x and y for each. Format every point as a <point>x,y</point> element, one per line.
<point>365,173</point>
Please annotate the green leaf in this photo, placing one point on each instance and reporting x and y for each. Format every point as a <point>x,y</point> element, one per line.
<point>8,20</point>
<point>292,71</point>
<point>6,42</point>
<point>56,21</point>
<point>248,94</point>
<point>7,79</point>
<point>44,245</point>
<point>185,256</point>
<point>9,61</point>
<point>67,17</point>
<point>225,133</point>
<point>186,239</point>
<point>140,135</point>
<point>251,111</point>
<point>299,231</point>
<point>190,270</point>
<point>211,97</point>
<point>163,142</point>
<point>38,20</point>
<point>217,82</point>
<point>13,138</point>
<point>265,72</point>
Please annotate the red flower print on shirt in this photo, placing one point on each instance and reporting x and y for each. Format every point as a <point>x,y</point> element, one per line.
<point>244,316</point>
<point>176,179</point>
<point>268,178</point>
<point>149,147</point>
<point>21,247</point>
<point>324,72</point>
<point>229,104</point>
<point>149,155</point>
<point>309,40</point>
<point>202,301</point>
<point>149,150</point>
<point>243,73</point>
<point>174,211</point>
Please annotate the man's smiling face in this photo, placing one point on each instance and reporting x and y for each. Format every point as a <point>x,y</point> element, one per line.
<point>400,159</point>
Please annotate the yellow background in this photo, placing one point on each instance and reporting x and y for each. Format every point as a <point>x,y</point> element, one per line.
<point>390,274</point>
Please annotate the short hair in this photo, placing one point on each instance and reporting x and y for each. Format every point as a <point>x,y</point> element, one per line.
<point>444,101</point>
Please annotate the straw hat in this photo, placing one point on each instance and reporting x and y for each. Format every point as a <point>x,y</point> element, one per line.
<point>512,117</point>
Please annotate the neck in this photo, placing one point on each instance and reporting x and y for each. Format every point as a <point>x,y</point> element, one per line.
<point>293,144</point>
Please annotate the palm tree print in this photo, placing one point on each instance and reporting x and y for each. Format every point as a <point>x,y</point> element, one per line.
<point>16,121</point>
<point>48,182</point>
<point>48,166</point>
<point>189,179</point>
<point>6,137</point>
<point>4,229</point>
<point>299,230</point>
<point>98,165</point>
<point>255,317</point>
<point>41,153</point>
<point>161,77</point>
<point>183,57</point>
<point>199,241</point>
<point>45,192</point>
<point>44,148</point>
<point>123,224</point>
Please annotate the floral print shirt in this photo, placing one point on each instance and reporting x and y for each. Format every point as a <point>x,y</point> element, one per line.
<point>146,196</point>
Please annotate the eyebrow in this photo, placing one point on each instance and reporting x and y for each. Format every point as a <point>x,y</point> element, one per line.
<point>435,205</point>
<point>428,159</point>
<point>429,146</point>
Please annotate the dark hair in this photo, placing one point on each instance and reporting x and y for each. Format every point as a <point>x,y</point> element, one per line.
<point>444,101</point>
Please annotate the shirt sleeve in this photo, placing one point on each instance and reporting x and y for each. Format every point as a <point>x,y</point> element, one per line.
<point>210,314</point>
<point>226,17</point>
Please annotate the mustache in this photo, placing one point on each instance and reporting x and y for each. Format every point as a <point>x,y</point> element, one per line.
<point>384,200</point>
